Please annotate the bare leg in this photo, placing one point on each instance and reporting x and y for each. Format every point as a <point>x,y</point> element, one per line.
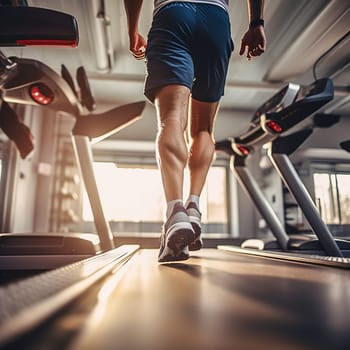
<point>201,156</point>
<point>172,109</point>
<point>202,146</point>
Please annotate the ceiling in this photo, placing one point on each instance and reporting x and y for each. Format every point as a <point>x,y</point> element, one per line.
<point>299,33</point>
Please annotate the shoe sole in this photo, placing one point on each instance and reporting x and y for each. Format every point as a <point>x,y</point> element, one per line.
<point>173,249</point>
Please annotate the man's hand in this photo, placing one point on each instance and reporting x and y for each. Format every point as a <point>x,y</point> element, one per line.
<point>138,46</point>
<point>137,43</point>
<point>253,42</point>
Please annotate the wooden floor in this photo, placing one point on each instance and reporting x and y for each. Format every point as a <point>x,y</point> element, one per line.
<point>215,300</point>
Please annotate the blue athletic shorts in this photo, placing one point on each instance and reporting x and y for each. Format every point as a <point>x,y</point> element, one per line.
<point>189,44</point>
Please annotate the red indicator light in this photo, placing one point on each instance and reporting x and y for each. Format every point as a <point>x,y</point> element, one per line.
<point>274,126</point>
<point>243,150</point>
<point>41,94</point>
<point>44,42</point>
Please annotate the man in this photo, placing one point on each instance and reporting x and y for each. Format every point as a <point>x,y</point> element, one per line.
<point>187,54</point>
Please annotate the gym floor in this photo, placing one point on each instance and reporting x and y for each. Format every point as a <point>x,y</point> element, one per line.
<point>214,300</point>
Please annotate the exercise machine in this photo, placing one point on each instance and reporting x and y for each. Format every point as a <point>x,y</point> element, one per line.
<point>285,110</point>
<point>31,82</point>
<point>75,261</point>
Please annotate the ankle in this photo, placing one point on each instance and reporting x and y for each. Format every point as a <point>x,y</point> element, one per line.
<point>170,206</point>
<point>194,199</point>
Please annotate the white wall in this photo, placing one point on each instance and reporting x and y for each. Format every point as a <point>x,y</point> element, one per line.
<point>26,181</point>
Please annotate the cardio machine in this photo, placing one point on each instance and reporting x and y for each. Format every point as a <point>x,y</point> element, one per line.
<point>74,262</point>
<point>31,82</point>
<point>286,109</point>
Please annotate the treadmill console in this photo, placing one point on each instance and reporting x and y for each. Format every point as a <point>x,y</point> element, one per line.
<point>257,133</point>
<point>284,110</point>
<point>318,87</point>
<point>277,102</point>
<point>308,100</point>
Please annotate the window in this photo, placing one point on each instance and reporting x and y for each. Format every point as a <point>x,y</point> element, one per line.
<point>332,197</point>
<point>133,194</point>
<point>127,194</point>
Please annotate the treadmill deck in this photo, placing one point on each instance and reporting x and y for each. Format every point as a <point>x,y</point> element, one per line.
<point>214,300</point>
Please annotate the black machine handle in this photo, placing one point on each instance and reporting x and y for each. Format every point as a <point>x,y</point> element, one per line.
<point>290,143</point>
<point>224,146</point>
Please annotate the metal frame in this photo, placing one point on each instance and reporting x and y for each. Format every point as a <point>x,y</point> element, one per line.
<point>82,148</point>
<point>290,177</point>
<point>251,187</point>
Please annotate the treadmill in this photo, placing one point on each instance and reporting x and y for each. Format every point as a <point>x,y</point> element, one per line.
<point>31,82</point>
<point>75,261</point>
<point>285,110</point>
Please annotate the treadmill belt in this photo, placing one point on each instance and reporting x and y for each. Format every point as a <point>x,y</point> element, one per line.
<point>333,261</point>
<point>217,300</point>
<point>214,300</point>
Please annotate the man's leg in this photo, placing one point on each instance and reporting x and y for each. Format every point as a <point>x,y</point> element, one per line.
<point>202,118</point>
<point>172,109</point>
<point>203,145</point>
